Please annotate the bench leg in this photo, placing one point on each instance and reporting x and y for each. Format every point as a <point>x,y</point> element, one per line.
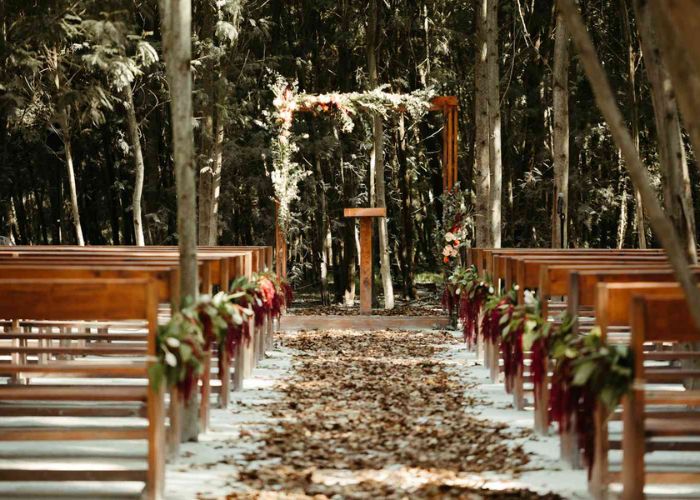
<point>250,350</point>
<point>633,446</point>
<point>225,376</point>
<point>598,483</point>
<point>175,412</point>
<point>518,390</point>
<point>205,394</point>
<point>568,446</point>
<point>541,396</point>
<point>155,482</point>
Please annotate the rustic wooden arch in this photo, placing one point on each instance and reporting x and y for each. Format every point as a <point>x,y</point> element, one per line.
<point>449,107</point>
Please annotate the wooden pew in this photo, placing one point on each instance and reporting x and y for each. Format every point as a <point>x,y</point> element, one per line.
<point>613,316</point>
<point>664,318</point>
<point>528,277</point>
<point>71,300</point>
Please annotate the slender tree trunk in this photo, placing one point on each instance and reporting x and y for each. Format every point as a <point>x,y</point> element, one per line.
<point>75,210</point>
<point>322,228</point>
<point>482,171</point>
<point>660,223</point>
<point>676,25</point>
<point>677,195</point>
<point>217,158</point>
<point>622,186</point>
<point>377,159</point>
<point>407,232</point>
<point>634,118</point>
<point>133,127</point>
<point>346,285</point>
<point>560,139</point>
<point>176,24</point>
<point>494,107</point>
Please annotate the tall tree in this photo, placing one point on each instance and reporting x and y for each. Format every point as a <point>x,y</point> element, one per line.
<point>482,171</point>
<point>494,114</point>
<point>176,27</point>
<point>133,127</point>
<point>633,97</point>
<point>560,139</point>
<point>377,156</point>
<point>677,192</point>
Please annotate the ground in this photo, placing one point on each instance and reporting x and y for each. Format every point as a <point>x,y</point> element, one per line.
<point>356,414</point>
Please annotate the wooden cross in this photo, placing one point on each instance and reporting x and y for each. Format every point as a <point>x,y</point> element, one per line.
<point>365,215</point>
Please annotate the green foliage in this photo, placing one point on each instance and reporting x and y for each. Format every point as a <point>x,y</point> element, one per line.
<point>606,370</point>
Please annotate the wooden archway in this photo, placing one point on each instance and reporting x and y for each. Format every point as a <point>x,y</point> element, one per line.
<point>449,107</point>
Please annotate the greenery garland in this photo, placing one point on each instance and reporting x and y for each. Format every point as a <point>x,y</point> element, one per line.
<point>287,173</point>
<point>466,292</point>
<point>224,320</point>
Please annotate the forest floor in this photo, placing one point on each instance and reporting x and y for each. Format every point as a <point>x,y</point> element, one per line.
<point>386,414</point>
<point>308,302</point>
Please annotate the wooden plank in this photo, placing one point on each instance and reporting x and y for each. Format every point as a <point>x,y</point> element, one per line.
<point>72,433</point>
<point>365,212</point>
<point>366,274</point>
<point>74,393</point>
<point>72,475</point>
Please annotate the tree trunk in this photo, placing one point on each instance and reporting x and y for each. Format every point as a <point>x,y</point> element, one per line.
<point>634,119</point>
<point>560,139</point>
<point>176,23</point>
<point>217,159</point>
<point>482,172</point>
<point>133,127</point>
<point>494,107</point>
<point>407,232</point>
<point>377,158</point>
<point>676,24</point>
<point>677,195</point>
<point>622,220</point>
<point>75,211</point>
<point>322,228</point>
<point>606,102</point>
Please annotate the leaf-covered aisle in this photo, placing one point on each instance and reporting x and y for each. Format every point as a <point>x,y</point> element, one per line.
<point>377,415</point>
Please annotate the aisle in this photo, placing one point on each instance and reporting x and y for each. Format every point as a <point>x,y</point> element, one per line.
<point>369,415</point>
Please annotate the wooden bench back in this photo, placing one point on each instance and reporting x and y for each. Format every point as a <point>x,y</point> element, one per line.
<point>661,318</point>
<point>582,283</point>
<point>613,300</point>
<point>485,258</point>
<point>165,278</point>
<point>94,299</point>
<point>505,266</point>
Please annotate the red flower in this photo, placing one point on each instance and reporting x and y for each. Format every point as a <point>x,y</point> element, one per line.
<point>446,260</point>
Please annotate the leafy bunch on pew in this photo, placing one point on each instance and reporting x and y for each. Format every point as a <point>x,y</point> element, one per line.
<point>588,373</point>
<point>222,320</point>
<point>466,293</point>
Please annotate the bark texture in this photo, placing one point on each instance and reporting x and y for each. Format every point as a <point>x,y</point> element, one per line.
<point>678,199</point>
<point>482,173</point>
<point>176,23</point>
<point>133,126</point>
<point>378,159</point>
<point>494,113</point>
<point>560,139</point>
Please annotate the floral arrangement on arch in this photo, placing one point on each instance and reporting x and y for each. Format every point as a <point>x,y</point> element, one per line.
<point>287,173</point>
<point>458,222</point>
